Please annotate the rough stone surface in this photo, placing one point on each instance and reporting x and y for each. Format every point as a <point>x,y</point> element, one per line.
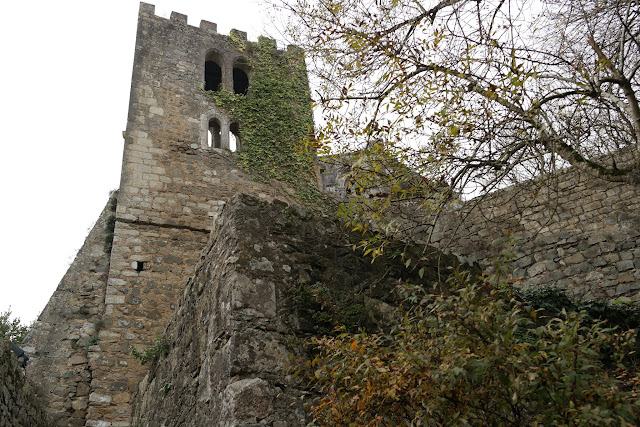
<point>236,326</point>
<point>60,339</point>
<point>20,401</point>
<point>570,230</point>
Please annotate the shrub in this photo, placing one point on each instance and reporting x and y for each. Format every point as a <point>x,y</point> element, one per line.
<point>110,227</point>
<point>551,301</point>
<point>478,355</point>
<point>12,328</point>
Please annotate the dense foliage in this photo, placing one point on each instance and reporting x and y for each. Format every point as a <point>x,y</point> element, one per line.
<point>479,355</point>
<point>552,301</point>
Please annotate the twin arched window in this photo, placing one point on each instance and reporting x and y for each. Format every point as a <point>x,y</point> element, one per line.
<point>222,134</point>
<point>216,76</point>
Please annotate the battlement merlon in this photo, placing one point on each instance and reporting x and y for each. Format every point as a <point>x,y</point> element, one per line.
<point>178,18</point>
<point>147,8</point>
<point>209,27</point>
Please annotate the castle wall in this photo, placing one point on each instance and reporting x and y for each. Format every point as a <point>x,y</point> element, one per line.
<point>567,229</point>
<point>67,329</point>
<point>227,339</point>
<point>570,230</point>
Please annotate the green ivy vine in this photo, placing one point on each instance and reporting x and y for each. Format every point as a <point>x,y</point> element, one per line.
<point>275,117</point>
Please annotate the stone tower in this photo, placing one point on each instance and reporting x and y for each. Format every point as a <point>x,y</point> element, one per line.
<point>177,172</point>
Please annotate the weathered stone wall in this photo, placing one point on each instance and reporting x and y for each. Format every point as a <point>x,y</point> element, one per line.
<point>228,352</point>
<point>257,293</point>
<point>571,230</point>
<point>20,402</point>
<point>68,327</point>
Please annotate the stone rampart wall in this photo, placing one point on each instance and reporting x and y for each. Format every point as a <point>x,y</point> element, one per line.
<point>571,230</point>
<point>228,337</point>
<point>68,327</point>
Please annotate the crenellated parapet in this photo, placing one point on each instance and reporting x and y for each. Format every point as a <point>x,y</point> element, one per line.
<point>177,18</point>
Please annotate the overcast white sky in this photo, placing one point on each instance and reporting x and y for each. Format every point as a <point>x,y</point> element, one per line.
<point>64,81</point>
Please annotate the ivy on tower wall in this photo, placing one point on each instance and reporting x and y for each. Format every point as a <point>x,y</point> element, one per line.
<point>275,117</point>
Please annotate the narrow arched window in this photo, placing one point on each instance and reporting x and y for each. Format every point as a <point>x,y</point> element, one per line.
<point>240,77</point>
<point>234,137</point>
<point>214,139</point>
<point>212,72</point>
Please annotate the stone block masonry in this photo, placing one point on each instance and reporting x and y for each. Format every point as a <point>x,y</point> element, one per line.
<point>228,337</point>
<point>570,230</point>
<point>567,229</point>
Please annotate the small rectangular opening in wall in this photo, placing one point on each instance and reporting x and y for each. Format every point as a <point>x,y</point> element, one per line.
<point>139,266</point>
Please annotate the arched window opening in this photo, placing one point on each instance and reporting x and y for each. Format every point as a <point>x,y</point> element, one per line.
<point>214,139</point>
<point>240,77</point>
<point>234,137</point>
<point>213,72</point>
